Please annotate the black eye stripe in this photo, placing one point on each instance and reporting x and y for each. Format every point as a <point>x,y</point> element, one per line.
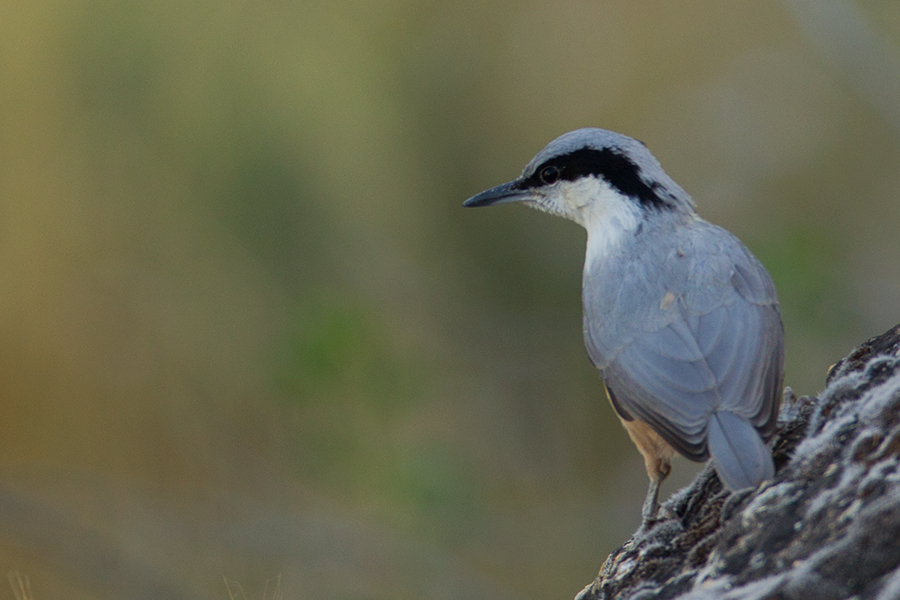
<point>614,167</point>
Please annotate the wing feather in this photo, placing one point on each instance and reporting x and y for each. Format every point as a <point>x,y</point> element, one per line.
<point>717,346</point>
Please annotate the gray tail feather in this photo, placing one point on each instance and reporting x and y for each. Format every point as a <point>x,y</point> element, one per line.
<point>738,452</point>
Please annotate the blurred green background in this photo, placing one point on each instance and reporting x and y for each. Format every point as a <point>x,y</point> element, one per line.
<point>247,331</point>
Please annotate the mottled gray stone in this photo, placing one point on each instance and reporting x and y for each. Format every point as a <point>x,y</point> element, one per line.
<point>827,526</point>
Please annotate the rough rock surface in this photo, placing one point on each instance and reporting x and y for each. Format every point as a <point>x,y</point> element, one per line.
<point>827,526</point>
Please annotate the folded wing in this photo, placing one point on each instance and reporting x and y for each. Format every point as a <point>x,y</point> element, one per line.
<point>714,344</point>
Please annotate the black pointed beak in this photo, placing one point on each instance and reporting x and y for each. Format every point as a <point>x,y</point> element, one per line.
<point>507,192</point>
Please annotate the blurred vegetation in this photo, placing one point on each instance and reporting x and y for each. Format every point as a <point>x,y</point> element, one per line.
<point>248,331</point>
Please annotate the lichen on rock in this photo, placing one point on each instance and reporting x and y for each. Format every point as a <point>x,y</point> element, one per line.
<point>827,526</point>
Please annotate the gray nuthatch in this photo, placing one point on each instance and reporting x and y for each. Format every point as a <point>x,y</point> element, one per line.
<point>679,317</point>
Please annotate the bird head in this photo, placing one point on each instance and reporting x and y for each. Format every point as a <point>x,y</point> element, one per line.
<point>591,176</point>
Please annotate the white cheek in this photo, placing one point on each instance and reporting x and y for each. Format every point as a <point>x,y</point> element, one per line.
<point>608,220</point>
<point>582,193</point>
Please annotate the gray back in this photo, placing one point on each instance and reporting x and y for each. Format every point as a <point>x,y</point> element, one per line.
<point>684,321</point>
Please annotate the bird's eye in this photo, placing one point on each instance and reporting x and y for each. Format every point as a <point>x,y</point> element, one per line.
<point>549,175</point>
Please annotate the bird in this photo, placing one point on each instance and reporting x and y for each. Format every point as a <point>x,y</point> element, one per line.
<point>680,318</point>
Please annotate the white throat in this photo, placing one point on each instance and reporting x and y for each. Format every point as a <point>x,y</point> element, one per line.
<point>609,218</point>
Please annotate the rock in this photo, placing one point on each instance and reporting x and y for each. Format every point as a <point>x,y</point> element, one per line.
<point>827,526</point>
